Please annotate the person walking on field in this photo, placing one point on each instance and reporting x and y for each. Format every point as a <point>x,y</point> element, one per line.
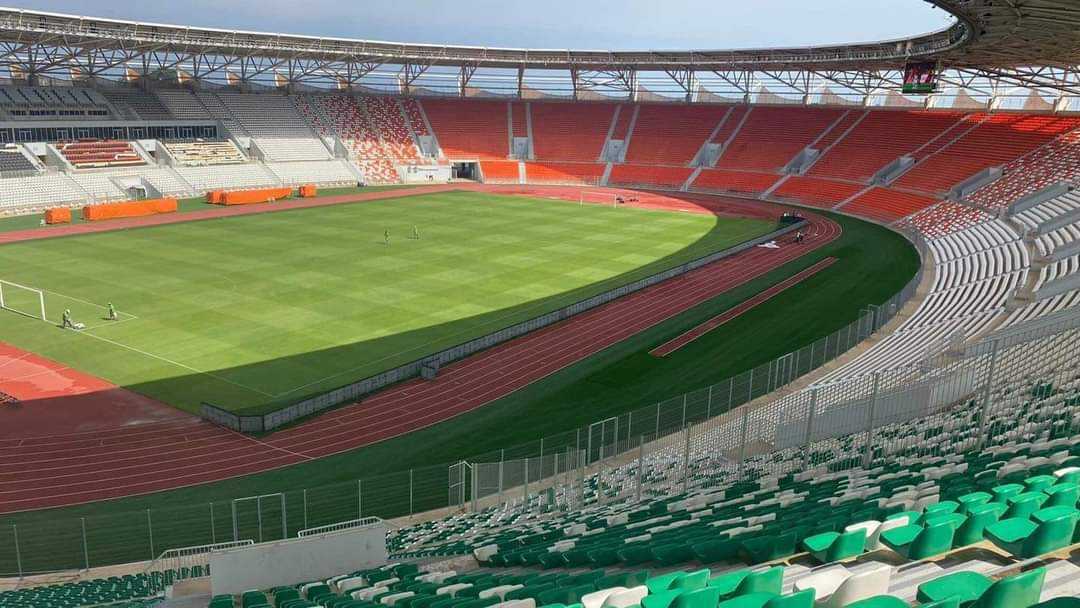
<point>386,237</point>
<point>112,312</point>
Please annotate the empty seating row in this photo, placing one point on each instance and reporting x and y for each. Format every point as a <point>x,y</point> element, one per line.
<point>198,153</point>
<point>12,160</point>
<point>89,154</point>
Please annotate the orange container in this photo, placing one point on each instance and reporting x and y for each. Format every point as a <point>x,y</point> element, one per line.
<point>250,197</point>
<point>308,191</point>
<point>214,197</point>
<point>59,215</point>
<point>111,211</point>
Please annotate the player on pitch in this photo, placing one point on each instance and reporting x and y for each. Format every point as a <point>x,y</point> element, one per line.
<point>386,237</point>
<point>112,313</point>
<point>415,233</point>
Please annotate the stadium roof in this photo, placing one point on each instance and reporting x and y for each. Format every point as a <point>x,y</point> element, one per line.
<point>1033,43</point>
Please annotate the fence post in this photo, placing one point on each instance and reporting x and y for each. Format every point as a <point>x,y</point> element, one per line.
<point>742,441</point>
<point>411,510</point>
<point>640,466</point>
<point>18,554</point>
<point>305,509</point>
<point>868,457</point>
<point>85,549</point>
<point>502,456</point>
<point>708,404</point>
<point>985,410</point>
<point>359,498</point>
<point>684,410</point>
<point>526,493</point>
<point>750,387</point>
<point>150,530</point>
<point>213,527</point>
<point>809,428</point>
<point>475,486</point>
<point>657,434</point>
<point>686,461</point>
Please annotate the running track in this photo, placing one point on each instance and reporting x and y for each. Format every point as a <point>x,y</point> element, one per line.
<point>42,470</point>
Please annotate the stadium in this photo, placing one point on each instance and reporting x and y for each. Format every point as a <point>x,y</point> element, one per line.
<point>294,321</point>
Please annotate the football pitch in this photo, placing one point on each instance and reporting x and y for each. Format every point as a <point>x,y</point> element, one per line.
<point>254,312</point>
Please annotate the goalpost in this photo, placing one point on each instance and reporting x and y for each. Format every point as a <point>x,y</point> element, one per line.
<point>594,196</point>
<point>23,300</point>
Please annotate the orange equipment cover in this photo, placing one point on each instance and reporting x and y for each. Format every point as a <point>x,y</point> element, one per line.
<point>133,209</point>
<point>248,197</point>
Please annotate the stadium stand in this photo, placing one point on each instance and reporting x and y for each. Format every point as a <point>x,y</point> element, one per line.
<point>649,176</point>
<point>397,136</point>
<point>469,129</point>
<point>228,177</point>
<point>740,182</point>
<point>183,105</point>
<point>13,161</point>
<point>34,193</point>
<point>564,173</point>
<point>995,141</point>
<point>500,171</point>
<point>135,104</point>
<point>880,138</point>
<point>945,218</point>
<point>345,118</point>
<point>570,132</point>
<point>1056,162</point>
<point>322,173</point>
<point>671,134</point>
<point>887,205</point>
<point>90,154</point>
<point>53,103</point>
<point>274,123</point>
<point>771,137</point>
<point>816,192</point>
<point>196,153</point>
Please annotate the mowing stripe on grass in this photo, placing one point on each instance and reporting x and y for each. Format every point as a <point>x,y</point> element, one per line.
<point>682,340</point>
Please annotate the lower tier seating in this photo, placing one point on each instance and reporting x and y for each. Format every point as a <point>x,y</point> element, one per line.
<point>742,182</point>
<point>564,173</point>
<point>642,175</point>
<point>817,192</point>
<point>885,205</point>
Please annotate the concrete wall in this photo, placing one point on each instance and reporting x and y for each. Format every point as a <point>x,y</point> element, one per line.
<point>293,561</point>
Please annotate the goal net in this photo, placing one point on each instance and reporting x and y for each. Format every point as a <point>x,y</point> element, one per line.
<point>22,299</point>
<point>597,197</point>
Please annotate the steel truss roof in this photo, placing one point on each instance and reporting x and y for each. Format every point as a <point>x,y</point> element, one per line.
<point>992,46</point>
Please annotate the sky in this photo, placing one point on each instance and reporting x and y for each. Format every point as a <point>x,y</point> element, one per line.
<point>552,24</point>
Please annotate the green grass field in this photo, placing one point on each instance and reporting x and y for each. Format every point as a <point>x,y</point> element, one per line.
<point>254,312</point>
<point>873,263</point>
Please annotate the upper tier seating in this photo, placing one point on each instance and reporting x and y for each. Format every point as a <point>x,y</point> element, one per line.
<point>1056,162</point>
<point>771,137</point>
<point>880,138</point>
<point>270,119</point>
<point>744,182</point>
<point>415,116</point>
<point>53,103</point>
<point>183,105</point>
<point>136,104</point>
<point>945,218</point>
<point>671,134</point>
<point>196,153</point>
<point>373,130</point>
<point>564,173</point>
<point>12,160</point>
<point>644,175</point>
<point>570,132</point>
<point>997,140</point>
<point>470,129</point>
<point>817,192</point>
<point>89,154</point>
<point>887,205</point>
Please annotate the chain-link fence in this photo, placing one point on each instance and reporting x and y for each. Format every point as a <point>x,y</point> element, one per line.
<point>533,469</point>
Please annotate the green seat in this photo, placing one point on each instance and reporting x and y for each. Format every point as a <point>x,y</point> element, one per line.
<point>691,581</point>
<point>972,530</point>
<point>1060,602</point>
<point>970,501</point>
<point>1025,538</point>
<point>662,582</point>
<point>915,542</point>
<point>1023,505</point>
<point>879,601</point>
<point>748,600</point>
<point>661,599</point>
<point>672,554</point>
<point>712,551</point>
<point>1062,495</point>
<point>835,546</point>
<point>743,582</point>
<point>1019,591</point>
<point>1039,483</point>
<point>705,597</point>
<point>1006,491</point>
<point>768,547</point>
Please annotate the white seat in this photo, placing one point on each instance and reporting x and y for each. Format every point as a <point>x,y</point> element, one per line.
<point>525,603</point>
<point>392,599</point>
<point>873,533</point>
<point>596,598</point>
<point>499,592</point>
<point>348,584</point>
<point>626,599</point>
<point>452,590</point>
<point>837,587</point>
<point>1065,471</point>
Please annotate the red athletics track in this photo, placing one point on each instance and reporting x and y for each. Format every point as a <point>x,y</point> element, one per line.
<point>55,465</point>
